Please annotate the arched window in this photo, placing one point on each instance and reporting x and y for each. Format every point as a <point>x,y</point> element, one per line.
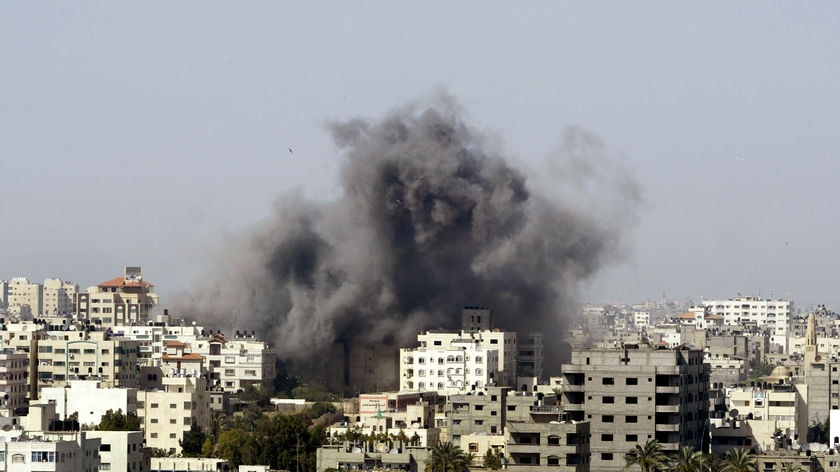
<point>478,371</point>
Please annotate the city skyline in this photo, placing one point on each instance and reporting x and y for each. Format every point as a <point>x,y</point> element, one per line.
<point>156,135</point>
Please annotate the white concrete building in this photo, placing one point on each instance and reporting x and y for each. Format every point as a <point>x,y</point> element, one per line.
<point>641,319</point>
<point>121,450</point>
<point>774,316</point>
<point>464,359</point>
<point>231,363</point>
<point>89,400</point>
<point>448,369</point>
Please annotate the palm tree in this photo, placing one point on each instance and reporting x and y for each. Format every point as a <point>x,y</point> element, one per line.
<point>739,460</point>
<point>687,460</point>
<point>446,457</point>
<point>791,467</point>
<point>650,457</point>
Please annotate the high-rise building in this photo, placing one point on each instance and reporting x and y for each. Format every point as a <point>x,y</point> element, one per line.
<point>59,297</point>
<point>122,300</point>
<point>633,394</point>
<point>24,298</point>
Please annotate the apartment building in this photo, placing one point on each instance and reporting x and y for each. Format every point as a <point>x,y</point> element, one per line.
<point>14,369</point>
<point>482,411</point>
<point>542,446</point>
<point>124,300</point>
<point>122,451</point>
<point>171,409</point>
<point>35,446</point>
<point>457,361</point>
<point>232,364</point>
<point>772,316</point>
<point>529,359</point>
<point>24,298</point>
<point>89,400</point>
<point>83,352</point>
<point>632,394</point>
<point>453,368</point>
<point>59,297</point>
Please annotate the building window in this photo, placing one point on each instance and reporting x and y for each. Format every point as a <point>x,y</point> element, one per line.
<point>473,447</point>
<point>608,400</point>
<point>606,437</point>
<point>632,438</point>
<point>632,400</point>
<point>608,381</point>
<point>632,419</point>
<point>43,456</point>
<point>608,418</point>
<point>631,381</point>
<point>606,456</point>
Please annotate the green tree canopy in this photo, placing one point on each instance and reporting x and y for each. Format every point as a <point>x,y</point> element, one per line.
<point>191,445</point>
<point>117,421</point>
<point>492,460</point>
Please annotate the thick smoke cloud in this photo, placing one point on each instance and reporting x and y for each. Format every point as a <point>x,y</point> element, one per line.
<point>430,219</point>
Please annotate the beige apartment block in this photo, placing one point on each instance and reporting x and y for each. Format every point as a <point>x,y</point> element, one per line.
<point>169,411</point>
<point>84,353</point>
<point>59,297</point>
<point>122,300</point>
<point>24,298</point>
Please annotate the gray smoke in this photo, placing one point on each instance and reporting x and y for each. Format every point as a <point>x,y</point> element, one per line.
<point>430,219</point>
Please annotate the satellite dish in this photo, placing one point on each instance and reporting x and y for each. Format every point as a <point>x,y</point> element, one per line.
<point>7,427</point>
<point>733,413</point>
<point>72,327</point>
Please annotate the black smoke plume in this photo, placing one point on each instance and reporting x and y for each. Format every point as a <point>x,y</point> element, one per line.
<point>430,219</point>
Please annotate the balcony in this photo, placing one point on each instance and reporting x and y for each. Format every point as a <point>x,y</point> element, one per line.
<point>667,408</point>
<point>668,427</point>
<point>668,389</point>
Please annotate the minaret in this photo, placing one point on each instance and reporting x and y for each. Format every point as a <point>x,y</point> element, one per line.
<point>811,353</point>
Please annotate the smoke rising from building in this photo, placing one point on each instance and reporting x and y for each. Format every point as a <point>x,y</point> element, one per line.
<point>430,219</point>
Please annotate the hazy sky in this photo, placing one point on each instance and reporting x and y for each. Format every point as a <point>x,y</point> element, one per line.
<point>147,133</point>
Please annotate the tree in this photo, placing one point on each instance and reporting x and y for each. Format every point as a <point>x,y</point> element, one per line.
<point>650,457</point>
<point>446,457</point>
<point>234,445</point>
<point>492,460</point>
<point>791,467</point>
<point>117,421</point>
<point>739,460</point>
<point>193,442</point>
<point>687,460</point>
